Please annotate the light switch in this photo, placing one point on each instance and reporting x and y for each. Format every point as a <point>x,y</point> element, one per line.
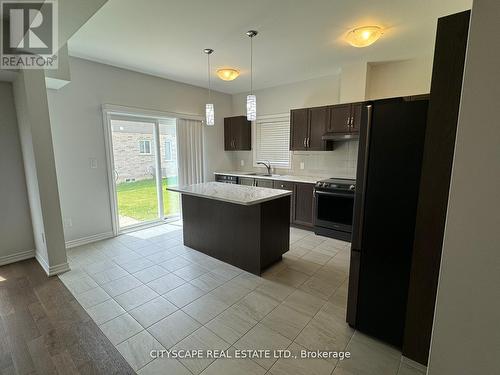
<point>242,162</point>
<point>93,163</point>
<point>302,165</point>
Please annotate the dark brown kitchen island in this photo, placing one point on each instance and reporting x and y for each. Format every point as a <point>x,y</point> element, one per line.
<point>246,226</point>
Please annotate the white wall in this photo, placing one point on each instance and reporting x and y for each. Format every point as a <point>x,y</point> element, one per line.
<point>280,99</point>
<point>353,82</point>
<point>76,117</point>
<point>30,96</point>
<point>399,78</point>
<point>466,333</point>
<point>16,233</point>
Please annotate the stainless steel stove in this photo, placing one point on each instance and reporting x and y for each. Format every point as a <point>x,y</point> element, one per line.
<point>334,204</point>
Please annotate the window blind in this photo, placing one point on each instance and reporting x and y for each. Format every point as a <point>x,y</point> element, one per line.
<point>272,141</point>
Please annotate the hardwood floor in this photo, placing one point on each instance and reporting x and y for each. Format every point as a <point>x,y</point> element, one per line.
<point>44,330</point>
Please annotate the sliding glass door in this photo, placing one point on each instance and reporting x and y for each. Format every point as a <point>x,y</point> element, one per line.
<point>169,170</point>
<point>144,153</point>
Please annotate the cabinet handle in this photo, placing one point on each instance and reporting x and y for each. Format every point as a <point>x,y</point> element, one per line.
<point>305,142</point>
<point>308,142</point>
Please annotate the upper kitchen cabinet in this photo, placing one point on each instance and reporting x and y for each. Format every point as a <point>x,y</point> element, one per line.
<point>299,129</point>
<point>340,118</point>
<point>307,126</point>
<point>319,119</point>
<point>237,134</point>
<point>357,108</point>
<point>345,118</point>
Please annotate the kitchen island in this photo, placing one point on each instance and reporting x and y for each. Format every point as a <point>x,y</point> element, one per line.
<point>246,226</point>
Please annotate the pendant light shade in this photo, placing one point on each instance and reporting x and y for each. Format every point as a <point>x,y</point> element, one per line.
<point>251,99</point>
<point>209,114</point>
<point>209,107</point>
<point>251,107</point>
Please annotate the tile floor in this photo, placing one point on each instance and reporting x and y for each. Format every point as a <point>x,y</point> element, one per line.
<point>146,291</point>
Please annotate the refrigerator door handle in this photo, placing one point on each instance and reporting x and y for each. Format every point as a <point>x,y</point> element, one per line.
<point>358,234</point>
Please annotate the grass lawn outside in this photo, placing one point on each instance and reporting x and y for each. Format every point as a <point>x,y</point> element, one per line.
<point>138,199</point>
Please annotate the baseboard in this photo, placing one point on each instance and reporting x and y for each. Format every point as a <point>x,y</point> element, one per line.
<point>86,240</point>
<point>52,270</point>
<point>22,255</point>
<point>414,364</point>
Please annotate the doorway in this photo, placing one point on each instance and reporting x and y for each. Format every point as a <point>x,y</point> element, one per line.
<point>143,160</point>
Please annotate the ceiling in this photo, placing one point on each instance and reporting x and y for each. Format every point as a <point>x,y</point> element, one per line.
<point>298,39</point>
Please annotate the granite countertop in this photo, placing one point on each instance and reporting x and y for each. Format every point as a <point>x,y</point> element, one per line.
<point>231,193</point>
<point>291,178</point>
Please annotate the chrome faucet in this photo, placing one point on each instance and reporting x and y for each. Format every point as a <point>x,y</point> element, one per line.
<point>267,165</point>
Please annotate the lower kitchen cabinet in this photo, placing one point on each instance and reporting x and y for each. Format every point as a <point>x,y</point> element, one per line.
<point>304,204</point>
<point>285,185</point>
<point>246,181</point>
<point>264,183</point>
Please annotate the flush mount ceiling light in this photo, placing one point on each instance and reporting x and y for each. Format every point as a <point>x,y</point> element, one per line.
<point>209,107</point>
<point>251,99</point>
<point>364,36</point>
<point>228,74</point>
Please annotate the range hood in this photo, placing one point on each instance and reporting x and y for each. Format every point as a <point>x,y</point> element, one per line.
<point>339,136</point>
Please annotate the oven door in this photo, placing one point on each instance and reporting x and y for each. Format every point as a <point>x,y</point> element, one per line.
<point>334,210</point>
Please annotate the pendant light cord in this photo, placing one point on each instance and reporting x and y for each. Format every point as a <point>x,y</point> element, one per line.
<point>209,86</point>
<point>251,65</point>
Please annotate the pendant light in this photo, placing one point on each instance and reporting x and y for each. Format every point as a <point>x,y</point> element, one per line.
<point>251,99</point>
<point>209,107</point>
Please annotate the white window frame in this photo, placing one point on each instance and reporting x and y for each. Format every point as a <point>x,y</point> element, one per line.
<point>168,142</point>
<point>145,142</point>
<point>277,118</point>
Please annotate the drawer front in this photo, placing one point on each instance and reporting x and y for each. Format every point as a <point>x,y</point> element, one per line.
<point>285,185</point>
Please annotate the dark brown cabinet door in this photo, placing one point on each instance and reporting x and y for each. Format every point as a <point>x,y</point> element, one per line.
<point>285,185</point>
<point>264,183</point>
<point>228,139</point>
<point>242,133</point>
<point>246,181</point>
<point>299,128</point>
<point>319,122</point>
<point>340,116</point>
<point>356,117</point>
<point>237,133</point>
<point>304,199</point>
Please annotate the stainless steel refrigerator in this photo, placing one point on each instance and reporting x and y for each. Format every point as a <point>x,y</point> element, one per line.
<point>387,185</point>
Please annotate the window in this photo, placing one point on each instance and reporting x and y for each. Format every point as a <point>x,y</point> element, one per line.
<point>168,151</point>
<point>272,140</point>
<point>145,147</point>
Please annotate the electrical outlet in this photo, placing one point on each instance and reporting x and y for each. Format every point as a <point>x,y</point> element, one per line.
<point>242,162</point>
<point>93,163</point>
<point>302,166</point>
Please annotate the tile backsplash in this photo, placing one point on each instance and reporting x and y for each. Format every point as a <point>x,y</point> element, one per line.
<point>341,162</point>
